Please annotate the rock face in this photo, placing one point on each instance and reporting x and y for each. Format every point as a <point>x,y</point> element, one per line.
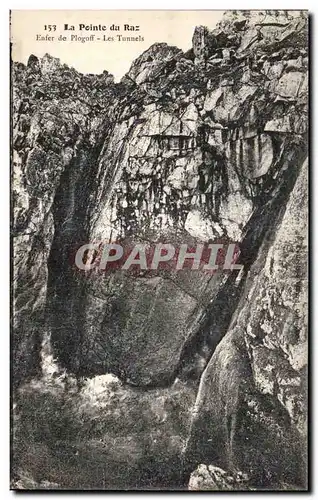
<point>213,478</point>
<point>252,394</point>
<point>208,145</point>
<point>56,124</point>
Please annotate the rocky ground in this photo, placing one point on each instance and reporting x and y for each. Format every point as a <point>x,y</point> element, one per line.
<point>127,381</point>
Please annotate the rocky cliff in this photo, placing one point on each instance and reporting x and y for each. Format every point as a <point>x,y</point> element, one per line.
<point>133,380</point>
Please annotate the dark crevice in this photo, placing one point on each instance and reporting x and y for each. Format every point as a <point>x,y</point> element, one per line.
<point>66,293</point>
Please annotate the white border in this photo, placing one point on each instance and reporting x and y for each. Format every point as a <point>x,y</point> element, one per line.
<point>4,186</point>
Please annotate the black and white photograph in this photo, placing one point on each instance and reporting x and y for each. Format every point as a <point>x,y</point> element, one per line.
<point>159,248</point>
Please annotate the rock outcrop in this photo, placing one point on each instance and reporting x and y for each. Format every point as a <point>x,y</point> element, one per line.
<point>208,145</point>
<point>256,378</point>
<point>211,478</point>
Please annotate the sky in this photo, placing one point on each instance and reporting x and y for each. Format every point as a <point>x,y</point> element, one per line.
<point>173,27</point>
